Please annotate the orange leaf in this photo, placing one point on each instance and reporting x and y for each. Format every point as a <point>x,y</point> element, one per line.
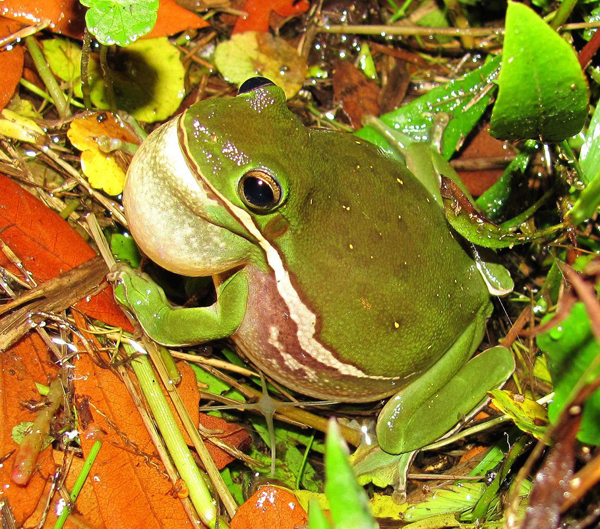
<point>259,12</point>
<point>11,64</point>
<point>129,483</point>
<point>270,507</point>
<point>232,434</point>
<point>172,19</point>
<point>21,366</point>
<point>48,246</point>
<point>68,16</point>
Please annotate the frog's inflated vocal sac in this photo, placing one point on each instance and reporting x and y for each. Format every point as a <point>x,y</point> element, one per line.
<point>336,271</point>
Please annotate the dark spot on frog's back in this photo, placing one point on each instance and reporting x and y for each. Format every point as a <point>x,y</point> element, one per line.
<point>276,227</point>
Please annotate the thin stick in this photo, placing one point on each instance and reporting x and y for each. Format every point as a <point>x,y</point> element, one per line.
<point>48,77</point>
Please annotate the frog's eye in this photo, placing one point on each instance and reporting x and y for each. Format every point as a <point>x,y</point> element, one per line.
<point>253,83</point>
<point>259,191</point>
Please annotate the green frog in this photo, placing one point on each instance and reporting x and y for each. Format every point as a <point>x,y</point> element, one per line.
<point>335,269</point>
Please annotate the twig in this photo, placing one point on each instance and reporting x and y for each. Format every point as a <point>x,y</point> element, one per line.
<point>48,77</point>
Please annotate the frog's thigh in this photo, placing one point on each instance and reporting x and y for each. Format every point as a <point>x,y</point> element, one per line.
<point>176,326</point>
<point>431,405</point>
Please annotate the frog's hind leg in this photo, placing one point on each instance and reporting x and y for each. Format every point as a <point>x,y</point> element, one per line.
<point>431,405</point>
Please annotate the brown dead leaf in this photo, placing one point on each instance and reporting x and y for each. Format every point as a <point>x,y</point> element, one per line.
<point>482,161</point>
<point>68,16</point>
<point>394,90</point>
<point>272,508</point>
<point>21,367</point>
<point>129,482</point>
<point>54,295</point>
<point>48,246</point>
<point>231,434</point>
<point>259,11</point>
<point>357,94</point>
<point>553,478</point>
<point>11,63</point>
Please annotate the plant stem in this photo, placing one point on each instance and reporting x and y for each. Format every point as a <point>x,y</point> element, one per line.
<point>85,65</point>
<point>87,466</point>
<point>49,80</point>
<point>192,430</point>
<point>418,30</point>
<point>409,30</point>
<point>563,13</point>
<point>572,160</point>
<point>197,487</point>
<point>38,91</point>
<point>107,78</point>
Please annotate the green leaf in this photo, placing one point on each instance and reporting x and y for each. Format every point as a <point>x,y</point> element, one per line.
<point>249,54</point>
<point>118,22</point>
<point>456,498</point>
<point>124,249</point>
<point>587,203</point>
<point>290,460</point>
<point>148,80</point>
<point>574,359</point>
<point>589,156</point>
<point>316,517</point>
<point>589,161</point>
<point>233,485</point>
<point>366,62</point>
<point>542,89</point>
<point>348,501</point>
<point>64,58</point>
<point>462,102</point>
<point>495,201</point>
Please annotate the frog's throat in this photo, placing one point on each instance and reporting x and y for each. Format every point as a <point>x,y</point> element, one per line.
<point>300,313</point>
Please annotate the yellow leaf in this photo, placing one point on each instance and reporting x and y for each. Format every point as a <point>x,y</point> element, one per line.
<point>17,127</point>
<point>103,170</point>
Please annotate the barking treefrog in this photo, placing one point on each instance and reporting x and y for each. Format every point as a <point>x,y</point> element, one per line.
<point>335,269</point>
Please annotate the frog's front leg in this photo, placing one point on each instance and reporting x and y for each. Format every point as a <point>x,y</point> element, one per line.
<point>433,404</point>
<point>175,326</point>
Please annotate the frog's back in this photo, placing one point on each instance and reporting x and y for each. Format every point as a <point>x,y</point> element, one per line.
<point>383,287</point>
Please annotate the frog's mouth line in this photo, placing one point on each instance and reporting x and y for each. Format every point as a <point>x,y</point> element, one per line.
<point>212,194</point>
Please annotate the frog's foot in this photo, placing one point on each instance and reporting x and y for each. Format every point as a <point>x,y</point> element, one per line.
<point>175,326</point>
<point>135,290</point>
<point>373,465</point>
<point>406,424</point>
<point>497,277</point>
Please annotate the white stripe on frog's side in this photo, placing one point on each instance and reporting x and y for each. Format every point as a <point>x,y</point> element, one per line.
<point>301,314</point>
<point>289,360</point>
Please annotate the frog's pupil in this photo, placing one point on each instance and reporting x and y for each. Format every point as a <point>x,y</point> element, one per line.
<point>258,192</point>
